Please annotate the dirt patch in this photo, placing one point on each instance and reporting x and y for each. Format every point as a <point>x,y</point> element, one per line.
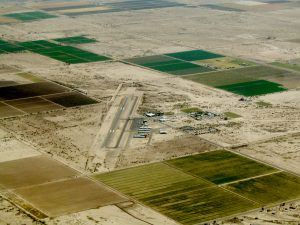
<point>32,171</point>
<point>8,111</point>
<point>7,20</point>
<point>33,105</point>
<point>163,150</point>
<point>66,134</point>
<point>69,196</point>
<point>282,151</point>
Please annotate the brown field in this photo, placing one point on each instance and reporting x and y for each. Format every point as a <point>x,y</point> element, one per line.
<point>33,105</point>
<point>32,171</point>
<point>7,111</point>
<point>7,20</point>
<point>225,63</point>
<point>14,79</point>
<point>69,196</point>
<point>289,80</point>
<point>30,77</point>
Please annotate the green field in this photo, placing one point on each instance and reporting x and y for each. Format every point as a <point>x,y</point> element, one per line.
<point>181,68</point>
<point>67,54</point>
<point>182,197</point>
<point>257,72</point>
<point>2,42</point>
<point>204,187</point>
<point>158,177</point>
<point>221,78</point>
<point>235,76</point>
<point>28,16</point>
<point>220,166</point>
<point>194,55</point>
<point>37,45</point>
<point>7,47</point>
<point>274,188</point>
<point>169,65</point>
<point>248,81</point>
<point>253,88</point>
<point>75,40</point>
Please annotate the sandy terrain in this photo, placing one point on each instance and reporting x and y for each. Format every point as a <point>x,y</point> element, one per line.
<point>163,150</point>
<point>107,215</point>
<point>287,214</point>
<point>12,149</point>
<point>283,152</point>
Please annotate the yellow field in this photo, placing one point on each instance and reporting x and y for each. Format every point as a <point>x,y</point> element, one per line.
<point>99,8</point>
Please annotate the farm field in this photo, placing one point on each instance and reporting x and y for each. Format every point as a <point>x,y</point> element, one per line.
<point>249,81</point>
<point>181,68</point>
<point>220,166</point>
<point>75,40</point>
<point>168,64</point>
<point>70,99</point>
<point>7,20</point>
<point>7,47</point>
<point>193,189</point>
<point>252,88</point>
<point>194,55</point>
<point>6,111</point>
<point>259,72</point>
<point>32,105</point>
<point>68,196</point>
<point>30,90</point>
<point>237,76</point>
<point>31,171</point>
<point>216,79</point>
<point>150,61</point>
<point>22,93</point>
<point>37,45</point>
<point>29,16</point>
<point>182,197</point>
<point>30,77</point>
<point>12,78</point>
<point>225,63</point>
<point>140,112</point>
<point>67,54</point>
<point>271,189</point>
<point>48,188</point>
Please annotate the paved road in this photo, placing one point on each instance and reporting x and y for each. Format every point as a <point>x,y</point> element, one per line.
<point>120,122</point>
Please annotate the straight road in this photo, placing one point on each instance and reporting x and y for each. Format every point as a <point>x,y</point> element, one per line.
<point>114,137</point>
